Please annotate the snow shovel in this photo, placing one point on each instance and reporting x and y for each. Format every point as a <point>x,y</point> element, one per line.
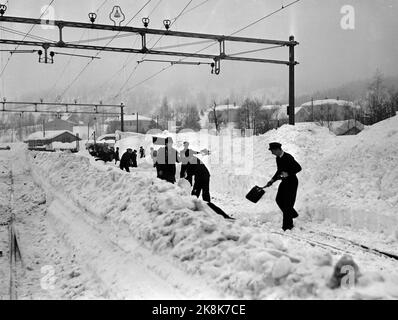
<point>218,210</point>
<point>255,194</point>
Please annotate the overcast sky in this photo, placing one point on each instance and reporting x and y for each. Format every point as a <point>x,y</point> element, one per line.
<point>328,54</point>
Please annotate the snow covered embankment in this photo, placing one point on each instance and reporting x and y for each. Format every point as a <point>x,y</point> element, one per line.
<point>236,258</point>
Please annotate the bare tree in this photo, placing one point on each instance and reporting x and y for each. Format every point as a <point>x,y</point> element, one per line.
<point>377,99</point>
<point>215,117</point>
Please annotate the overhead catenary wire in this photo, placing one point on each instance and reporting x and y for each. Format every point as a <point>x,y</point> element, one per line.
<point>70,59</point>
<point>26,35</point>
<point>195,7</point>
<point>87,65</point>
<point>21,33</point>
<point>129,58</point>
<point>135,68</point>
<point>235,32</point>
<point>254,50</point>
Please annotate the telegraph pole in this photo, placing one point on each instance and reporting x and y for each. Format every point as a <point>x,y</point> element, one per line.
<point>291,81</point>
<point>122,117</point>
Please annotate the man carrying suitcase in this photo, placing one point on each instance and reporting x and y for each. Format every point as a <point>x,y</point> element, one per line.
<point>286,172</point>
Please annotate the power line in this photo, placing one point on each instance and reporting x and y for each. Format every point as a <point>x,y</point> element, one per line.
<point>255,50</point>
<point>135,68</point>
<point>251,24</point>
<point>197,6</point>
<point>21,33</point>
<point>26,35</point>
<point>266,16</point>
<point>70,59</point>
<point>100,7</point>
<point>86,66</point>
<point>129,58</point>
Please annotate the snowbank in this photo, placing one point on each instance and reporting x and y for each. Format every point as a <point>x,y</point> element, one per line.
<point>235,256</point>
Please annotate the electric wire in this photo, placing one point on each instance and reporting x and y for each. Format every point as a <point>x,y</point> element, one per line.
<point>235,32</point>
<point>87,65</point>
<point>136,66</point>
<point>129,58</point>
<point>21,33</point>
<point>26,35</point>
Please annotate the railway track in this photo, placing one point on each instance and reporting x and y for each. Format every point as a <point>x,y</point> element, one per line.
<point>7,226</point>
<point>346,244</point>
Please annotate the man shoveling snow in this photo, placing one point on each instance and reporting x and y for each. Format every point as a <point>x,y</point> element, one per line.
<point>288,167</point>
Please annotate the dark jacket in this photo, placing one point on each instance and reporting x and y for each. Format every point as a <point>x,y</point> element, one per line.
<point>288,164</point>
<point>126,159</point>
<point>198,169</point>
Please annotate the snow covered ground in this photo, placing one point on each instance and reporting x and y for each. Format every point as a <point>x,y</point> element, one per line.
<point>134,236</point>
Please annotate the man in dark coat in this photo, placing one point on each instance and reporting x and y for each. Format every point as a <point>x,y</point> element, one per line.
<point>134,159</point>
<point>197,169</point>
<point>287,191</point>
<point>166,160</point>
<point>184,155</point>
<point>117,158</point>
<point>125,161</point>
<point>142,152</point>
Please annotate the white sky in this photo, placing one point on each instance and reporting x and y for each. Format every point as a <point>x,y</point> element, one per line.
<point>328,55</point>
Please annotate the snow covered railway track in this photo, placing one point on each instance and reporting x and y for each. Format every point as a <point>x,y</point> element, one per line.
<point>8,228</point>
<point>343,246</point>
<point>356,244</point>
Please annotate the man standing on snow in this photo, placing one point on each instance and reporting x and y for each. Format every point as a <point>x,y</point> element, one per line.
<point>184,155</point>
<point>117,158</point>
<point>166,160</point>
<point>125,161</point>
<point>286,172</point>
<point>196,168</point>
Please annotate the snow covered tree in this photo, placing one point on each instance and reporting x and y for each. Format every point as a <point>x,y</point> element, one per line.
<point>165,111</point>
<point>377,99</point>
<point>250,115</point>
<point>214,116</point>
<point>191,120</point>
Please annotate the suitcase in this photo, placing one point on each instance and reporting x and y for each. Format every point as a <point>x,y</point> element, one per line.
<point>255,194</point>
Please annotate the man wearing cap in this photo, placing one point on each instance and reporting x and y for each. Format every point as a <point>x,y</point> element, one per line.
<point>288,167</point>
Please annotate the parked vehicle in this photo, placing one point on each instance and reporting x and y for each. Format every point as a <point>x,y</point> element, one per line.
<point>109,139</point>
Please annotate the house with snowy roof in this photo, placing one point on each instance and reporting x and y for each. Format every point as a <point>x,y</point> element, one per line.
<point>59,124</point>
<point>53,139</point>
<point>326,110</point>
<point>131,121</point>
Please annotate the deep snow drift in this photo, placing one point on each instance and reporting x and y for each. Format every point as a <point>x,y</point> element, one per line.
<point>341,178</point>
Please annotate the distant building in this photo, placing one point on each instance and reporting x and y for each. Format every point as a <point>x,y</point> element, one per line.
<point>130,123</point>
<point>49,140</point>
<point>59,124</point>
<point>227,115</point>
<point>326,110</point>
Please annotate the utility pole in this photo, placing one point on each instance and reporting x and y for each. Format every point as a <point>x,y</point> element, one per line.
<point>122,117</point>
<point>291,81</point>
<point>137,122</point>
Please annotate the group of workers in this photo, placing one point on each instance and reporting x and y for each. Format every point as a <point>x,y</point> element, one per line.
<point>165,159</point>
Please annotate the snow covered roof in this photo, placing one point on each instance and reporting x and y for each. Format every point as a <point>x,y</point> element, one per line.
<point>341,127</point>
<point>48,134</point>
<point>226,107</point>
<point>329,101</point>
<point>129,117</point>
<point>132,117</point>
